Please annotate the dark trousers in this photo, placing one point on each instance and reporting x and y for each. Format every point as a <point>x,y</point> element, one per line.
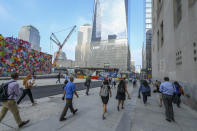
<point>58,80</point>
<point>167,100</point>
<point>69,104</point>
<point>178,99</point>
<point>87,89</point>
<point>144,98</point>
<point>26,92</point>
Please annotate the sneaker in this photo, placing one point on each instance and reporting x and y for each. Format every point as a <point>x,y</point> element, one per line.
<point>63,119</point>
<point>168,120</point>
<point>118,108</point>
<point>104,117</point>
<point>173,120</point>
<point>23,123</point>
<point>75,111</point>
<point>33,104</point>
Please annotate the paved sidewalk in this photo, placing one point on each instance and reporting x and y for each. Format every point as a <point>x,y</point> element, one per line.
<point>45,115</point>
<point>152,117</point>
<point>135,116</point>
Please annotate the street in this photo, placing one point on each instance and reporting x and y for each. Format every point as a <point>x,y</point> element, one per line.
<point>51,90</point>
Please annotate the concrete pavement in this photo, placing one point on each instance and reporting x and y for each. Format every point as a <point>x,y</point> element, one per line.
<point>135,116</point>
<point>45,115</point>
<point>152,117</point>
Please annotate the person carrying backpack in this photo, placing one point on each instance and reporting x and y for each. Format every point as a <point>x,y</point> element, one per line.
<point>87,84</point>
<point>145,90</point>
<point>58,78</point>
<point>179,92</point>
<point>104,93</point>
<point>8,94</point>
<point>121,94</point>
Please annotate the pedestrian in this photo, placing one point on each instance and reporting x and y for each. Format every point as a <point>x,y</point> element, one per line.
<point>34,78</point>
<point>145,90</point>
<point>113,82</point>
<point>110,80</point>
<point>134,82</point>
<point>121,94</point>
<point>65,82</point>
<point>28,83</point>
<point>159,94</point>
<point>69,90</point>
<point>179,92</point>
<point>156,90</point>
<point>104,93</point>
<point>10,104</point>
<point>167,89</point>
<point>87,84</point>
<point>155,84</point>
<point>66,77</point>
<point>33,75</point>
<point>58,77</point>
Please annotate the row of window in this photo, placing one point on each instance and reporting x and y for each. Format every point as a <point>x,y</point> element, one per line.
<point>177,5</point>
<point>179,55</point>
<point>195,52</point>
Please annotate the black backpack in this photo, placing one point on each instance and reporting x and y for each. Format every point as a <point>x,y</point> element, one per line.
<point>4,91</point>
<point>121,88</point>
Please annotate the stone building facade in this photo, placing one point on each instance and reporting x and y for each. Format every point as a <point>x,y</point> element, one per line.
<point>174,43</point>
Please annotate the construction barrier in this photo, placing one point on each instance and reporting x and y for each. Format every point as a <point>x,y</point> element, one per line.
<point>16,55</point>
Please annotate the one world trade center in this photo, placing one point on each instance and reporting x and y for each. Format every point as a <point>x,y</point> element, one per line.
<point>109,42</point>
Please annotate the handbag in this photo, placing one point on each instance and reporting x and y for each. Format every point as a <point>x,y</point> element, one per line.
<point>148,93</point>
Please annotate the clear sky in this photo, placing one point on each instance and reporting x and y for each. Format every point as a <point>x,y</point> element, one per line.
<point>52,16</point>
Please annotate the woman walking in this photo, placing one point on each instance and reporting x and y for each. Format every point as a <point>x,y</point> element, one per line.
<point>28,83</point>
<point>121,94</point>
<point>157,85</point>
<point>104,93</point>
<point>145,90</point>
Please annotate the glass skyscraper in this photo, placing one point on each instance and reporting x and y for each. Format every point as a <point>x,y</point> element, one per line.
<point>148,15</point>
<point>96,32</point>
<point>110,19</point>
<point>109,42</point>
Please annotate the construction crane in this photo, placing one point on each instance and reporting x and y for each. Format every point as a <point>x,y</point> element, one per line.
<point>57,42</point>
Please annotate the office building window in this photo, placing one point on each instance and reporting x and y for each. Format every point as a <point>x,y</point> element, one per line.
<point>194,44</point>
<point>191,2</point>
<point>158,41</point>
<point>159,6</point>
<point>195,52</point>
<point>177,12</point>
<point>179,57</point>
<point>162,37</point>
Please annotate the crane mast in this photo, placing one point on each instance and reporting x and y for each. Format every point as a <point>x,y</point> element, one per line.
<point>57,42</point>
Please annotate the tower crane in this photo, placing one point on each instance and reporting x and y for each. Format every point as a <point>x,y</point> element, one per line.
<point>57,42</point>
